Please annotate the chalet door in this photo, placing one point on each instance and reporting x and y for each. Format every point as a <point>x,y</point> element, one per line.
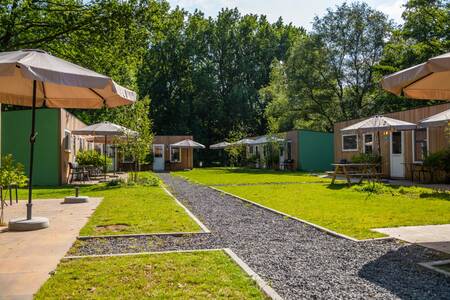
<point>158,157</point>
<point>397,155</point>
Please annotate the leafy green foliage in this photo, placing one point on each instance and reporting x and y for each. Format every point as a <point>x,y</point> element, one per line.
<point>92,158</point>
<point>370,158</point>
<point>12,172</point>
<point>439,160</point>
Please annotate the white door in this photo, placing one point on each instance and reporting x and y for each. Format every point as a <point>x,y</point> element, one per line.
<point>158,157</point>
<point>397,155</point>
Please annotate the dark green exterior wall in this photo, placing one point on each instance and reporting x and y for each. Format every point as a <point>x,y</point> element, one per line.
<point>16,126</point>
<point>315,150</point>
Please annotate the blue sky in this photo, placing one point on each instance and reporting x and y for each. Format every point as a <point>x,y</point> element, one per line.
<point>299,12</point>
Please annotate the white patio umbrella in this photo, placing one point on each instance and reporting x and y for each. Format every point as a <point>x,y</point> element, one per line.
<point>37,79</point>
<point>105,129</point>
<point>243,142</point>
<point>221,145</point>
<point>266,139</point>
<point>442,118</point>
<point>429,80</point>
<point>188,144</point>
<point>377,123</point>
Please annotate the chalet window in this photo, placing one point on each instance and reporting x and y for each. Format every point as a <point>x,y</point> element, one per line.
<point>368,143</point>
<point>289,150</point>
<point>67,140</point>
<point>175,155</point>
<point>250,149</point>
<point>420,144</point>
<point>349,142</point>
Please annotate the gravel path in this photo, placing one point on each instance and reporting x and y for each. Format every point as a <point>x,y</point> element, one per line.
<point>297,260</point>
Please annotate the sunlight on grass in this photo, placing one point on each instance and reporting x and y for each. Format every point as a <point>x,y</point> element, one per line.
<point>195,275</point>
<point>219,176</point>
<point>126,209</point>
<point>352,211</point>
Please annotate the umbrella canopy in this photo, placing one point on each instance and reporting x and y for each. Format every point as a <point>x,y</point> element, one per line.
<point>266,139</point>
<point>61,84</point>
<point>429,80</point>
<point>35,78</point>
<point>188,144</point>
<point>243,142</point>
<point>439,119</point>
<point>376,123</point>
<point>221,145</point>
<point>105,129</point>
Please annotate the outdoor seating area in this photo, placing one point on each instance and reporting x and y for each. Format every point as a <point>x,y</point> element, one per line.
<point>229,151</point>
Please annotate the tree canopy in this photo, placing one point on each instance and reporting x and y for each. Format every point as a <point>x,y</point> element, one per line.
<point>213,77</point>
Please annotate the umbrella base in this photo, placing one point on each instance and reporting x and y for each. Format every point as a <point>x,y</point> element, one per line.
<point>22,224</point>
<point>73,200</point>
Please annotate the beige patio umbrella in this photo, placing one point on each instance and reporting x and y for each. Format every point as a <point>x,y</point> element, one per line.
<point>188,144</point>
<point>221,145</point>
<point>106,129</point>
<point>37,79</point>
<point>429,80</point>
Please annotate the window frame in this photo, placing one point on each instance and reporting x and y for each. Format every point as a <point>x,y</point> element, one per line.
<point>342,142</point>
<point>170,154</point>
<point>364,141</point>
<point>413,141</point>
<point>68,141</point>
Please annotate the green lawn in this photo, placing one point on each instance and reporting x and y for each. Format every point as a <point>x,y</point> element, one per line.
<point>218,176</point>
<point>351,211</point>
<point>445,267</point>
<point>126,209</point>
<point>194,275</point>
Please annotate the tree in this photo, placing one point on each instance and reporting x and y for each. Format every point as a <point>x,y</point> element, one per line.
<point>330,72</point>
<point>136,118</point>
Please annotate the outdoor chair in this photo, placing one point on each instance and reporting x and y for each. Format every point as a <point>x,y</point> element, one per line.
<point>77,172</point>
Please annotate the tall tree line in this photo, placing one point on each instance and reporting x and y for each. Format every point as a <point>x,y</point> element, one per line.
<point>333,73</point>
<point>203,74</point>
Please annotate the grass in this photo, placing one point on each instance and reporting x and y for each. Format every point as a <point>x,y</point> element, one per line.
<point>126,209</point>
<point>445,267</point>
<point>194,275</point>
<point>220,176</point>
<point>352,211</point>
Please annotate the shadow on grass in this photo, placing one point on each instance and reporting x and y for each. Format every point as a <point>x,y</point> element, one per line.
<point>436,195</point>
<point>398,271</point>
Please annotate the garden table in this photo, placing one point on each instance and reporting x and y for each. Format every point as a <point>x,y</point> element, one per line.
<point>361,170</point>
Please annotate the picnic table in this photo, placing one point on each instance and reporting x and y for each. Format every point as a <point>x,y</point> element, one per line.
<point>361,170</point>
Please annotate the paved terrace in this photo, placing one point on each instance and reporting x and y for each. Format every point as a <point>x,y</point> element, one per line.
<point>27,258</point>
<point>297,260</point>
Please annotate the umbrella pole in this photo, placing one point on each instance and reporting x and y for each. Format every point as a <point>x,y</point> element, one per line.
<point>32,140</point>
<point>104,152</point>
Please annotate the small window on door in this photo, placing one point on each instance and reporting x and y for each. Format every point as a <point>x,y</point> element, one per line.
<point>368,143</point>
<point>175,155</point>
<point>397,143</point>
<point>420,144</point>
<point>350,142</point>
<point>158,152</point>
<point>67,140</point>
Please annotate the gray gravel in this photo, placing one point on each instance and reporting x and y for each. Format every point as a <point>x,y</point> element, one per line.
<point>297,260</point>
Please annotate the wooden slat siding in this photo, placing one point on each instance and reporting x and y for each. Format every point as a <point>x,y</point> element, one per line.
<point>69,122</point>
<point>187,158</point>
<point>437,137</point>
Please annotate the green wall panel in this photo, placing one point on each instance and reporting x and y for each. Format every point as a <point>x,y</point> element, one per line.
<point>16,126</point>
<point>315,150</point>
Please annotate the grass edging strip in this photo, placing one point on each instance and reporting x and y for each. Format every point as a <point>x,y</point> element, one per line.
<point>199,223</point>
<point>267,289</point>
<point>432,266</point>
<point>263,286</point>
<point>175,234</point>
<point>323,229</point>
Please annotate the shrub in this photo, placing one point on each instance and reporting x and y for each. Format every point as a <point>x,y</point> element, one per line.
<point>369,158</point>
<point>92,158</point>
<point>439,160</point>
